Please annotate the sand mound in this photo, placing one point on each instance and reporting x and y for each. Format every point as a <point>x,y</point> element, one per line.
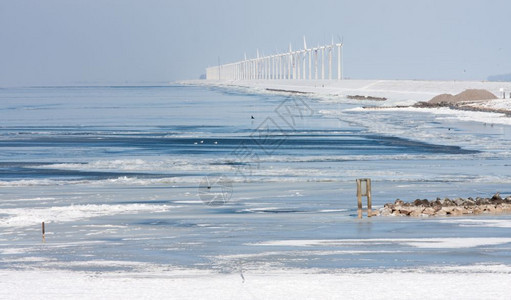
<point>467,95</point>
<point>441,98</point>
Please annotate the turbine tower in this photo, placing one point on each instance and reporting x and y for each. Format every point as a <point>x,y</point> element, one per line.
<point>310,58</point>
<point>316,63</point>
<point>339,59</point>
<point>330,49</point>
<point>323,63</point>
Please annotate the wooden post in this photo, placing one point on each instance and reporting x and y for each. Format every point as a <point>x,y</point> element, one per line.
<point>44,239</point>
<point>359,198</point>
<point>369,200</point>
<point>364,192</point>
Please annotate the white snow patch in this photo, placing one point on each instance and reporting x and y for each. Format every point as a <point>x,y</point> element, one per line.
<point>23,217</point>
<point>284,284</point>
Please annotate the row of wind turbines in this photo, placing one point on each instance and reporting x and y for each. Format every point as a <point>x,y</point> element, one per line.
<point>307,63</point>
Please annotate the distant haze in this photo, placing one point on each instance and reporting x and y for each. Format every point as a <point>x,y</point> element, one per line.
<point>63,42</point>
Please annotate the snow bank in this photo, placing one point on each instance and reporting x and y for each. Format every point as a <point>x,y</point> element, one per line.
<point>398,92</point>
<point>481,282</point>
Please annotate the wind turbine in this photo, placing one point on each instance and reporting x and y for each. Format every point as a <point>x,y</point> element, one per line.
<point>330,49</point>
<point>303,57</point>
<point>323,62</point>
<point>339,58</point>
<point>257,64</point>
<point>290,63</point>
<point>310,57</point>
<point>316,63</point>
<point>277,64</point>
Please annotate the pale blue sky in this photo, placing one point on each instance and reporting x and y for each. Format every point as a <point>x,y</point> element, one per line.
<point>105,41</point>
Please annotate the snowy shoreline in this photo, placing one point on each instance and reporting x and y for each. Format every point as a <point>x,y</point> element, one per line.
<point>397,92</point>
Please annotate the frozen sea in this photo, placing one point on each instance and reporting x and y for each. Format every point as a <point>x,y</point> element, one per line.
<point>229,181</point>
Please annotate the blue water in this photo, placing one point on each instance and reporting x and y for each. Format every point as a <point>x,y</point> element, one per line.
<point>125,174</point>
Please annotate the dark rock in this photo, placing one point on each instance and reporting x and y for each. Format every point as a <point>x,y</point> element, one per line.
<point>399,202</point>
<point>496,197</point>
<point>417,202</point>
<point>436,203</point>
<point>405,211</point>
<point>360,97</point>
<point>497,201</point>
<point>447,202</point>
<point>390,206</point>
<point>482,201</point>
<point>459,201</point>
<point>470,202</point>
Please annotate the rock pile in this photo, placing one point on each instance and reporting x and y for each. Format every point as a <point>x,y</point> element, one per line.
<point>360,97</point>
<point>447,207</point>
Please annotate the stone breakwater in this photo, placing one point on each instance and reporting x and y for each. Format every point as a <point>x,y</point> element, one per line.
<point>447,207</point>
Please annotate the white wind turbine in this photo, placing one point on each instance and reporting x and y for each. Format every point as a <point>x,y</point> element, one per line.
<point>304,51</point>
<point>316,63</point>
<point>339,58</point>
<point>257,67</point>
<point>330,49</point>
<point>323,62</point>
<point>310,58</point>
<point>291,63</point>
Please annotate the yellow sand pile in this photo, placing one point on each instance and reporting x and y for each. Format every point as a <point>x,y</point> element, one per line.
<point>467,95</point>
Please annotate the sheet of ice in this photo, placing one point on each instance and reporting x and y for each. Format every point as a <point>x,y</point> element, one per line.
<point>479,223</point>
<point>419,243</point>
